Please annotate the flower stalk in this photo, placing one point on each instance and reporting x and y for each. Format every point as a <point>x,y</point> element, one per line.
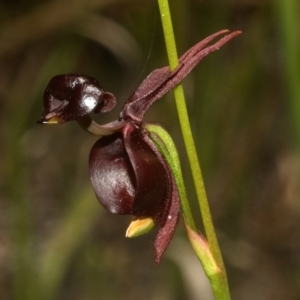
<point>192,153</point>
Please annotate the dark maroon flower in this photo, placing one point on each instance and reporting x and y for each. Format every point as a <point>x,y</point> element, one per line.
<point>128,173</point>
<point>130,176</point>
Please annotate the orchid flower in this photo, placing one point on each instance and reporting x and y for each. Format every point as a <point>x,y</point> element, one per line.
<point>129,174</point>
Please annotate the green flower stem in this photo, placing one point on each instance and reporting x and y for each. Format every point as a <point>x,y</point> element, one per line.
<point>189,142</point>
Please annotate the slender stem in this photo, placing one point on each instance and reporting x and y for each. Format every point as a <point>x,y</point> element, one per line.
<point>189,141</point>
<point>92,127</point>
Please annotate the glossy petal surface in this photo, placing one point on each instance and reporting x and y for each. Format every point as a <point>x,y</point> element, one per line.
<point>151,177</point>
<point>127,176</point>
<point>112,175</point>
<point>69,97</point>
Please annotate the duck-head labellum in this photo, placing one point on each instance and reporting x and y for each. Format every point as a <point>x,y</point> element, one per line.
<point>69,97</point>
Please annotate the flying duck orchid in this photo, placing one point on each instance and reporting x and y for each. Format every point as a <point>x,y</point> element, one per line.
<point>128,172</point>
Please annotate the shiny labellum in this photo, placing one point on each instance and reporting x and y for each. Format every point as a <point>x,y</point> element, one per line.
<point>69,97</point>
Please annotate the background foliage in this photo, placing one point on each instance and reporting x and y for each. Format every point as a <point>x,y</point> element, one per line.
<point>56,241</point>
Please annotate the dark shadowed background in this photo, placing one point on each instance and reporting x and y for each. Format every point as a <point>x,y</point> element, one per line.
<point>57,242</point>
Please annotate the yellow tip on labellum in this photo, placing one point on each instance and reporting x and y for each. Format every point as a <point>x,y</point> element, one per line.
<point>139,226</point>
<point>53,120</point>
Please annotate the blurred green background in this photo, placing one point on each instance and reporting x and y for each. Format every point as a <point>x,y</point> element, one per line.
<point>57,242</point>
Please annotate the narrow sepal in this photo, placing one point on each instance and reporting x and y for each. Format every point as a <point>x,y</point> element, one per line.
<point>170,213</point>
<point>162,80</point>
<point>168,224</point>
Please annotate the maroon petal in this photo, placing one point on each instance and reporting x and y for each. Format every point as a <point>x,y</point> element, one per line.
<point>156,192</point>
<point>170,213</point>
<point>152,182</point>
<point>112,175</point>
<point>148,88</point>
<point>162,80</point>
<point>168,224</point>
